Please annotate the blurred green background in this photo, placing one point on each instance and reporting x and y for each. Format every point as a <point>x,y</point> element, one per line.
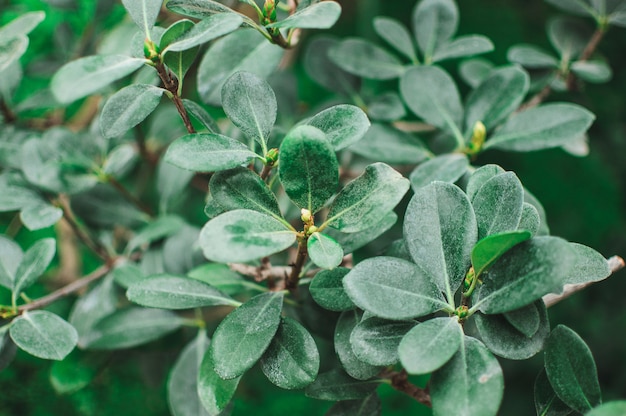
<point>583,197</point>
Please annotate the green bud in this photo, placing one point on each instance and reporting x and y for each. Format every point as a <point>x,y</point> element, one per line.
<point>269,11</point>
<point>312,229</point>
<point>306,216</point>
<point>271,157</point>
<point>151,51</point>
<point>479,134</point>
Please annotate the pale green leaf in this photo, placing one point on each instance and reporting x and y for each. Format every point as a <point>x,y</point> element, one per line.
<point>342,124</point>
<point>22,25</point>
<point>320,68</point>
<point>530,219</point>
<point>13,198</point>
<point>215,393</point>
<point>479,177</point>
<point>324,251</point>
<point>498,204</point>
<point>41,215</point>
<point>121,160</point>
<point>369,406</point>
<point>569,36</point>
<point>526,319</point>
<point>201,115</point>
<point>614,408</point>
<point>351,242</point>
<point>127,108</point>
<point>178,62</point>
<point>444,168</point>
<point>44,335</point>
<point>91,307</point>
<point>219,276</point>
<point>376,340</point>
<point>327,290</point>
<point>143,12</point>
<point>589,266</point>
<point>197,8</point>
<point>463,46</point>
<point>396,35</point>
<point>10,257</point>
<point>160,228</point>
<point>434,23</point>
<point>360,57</point>
<point>531,56</point>
<point>321,15</point>
<point>355,367</point>
<point>337,385</point>
<point>474,71</point>
<point>386,107</point>
<point>592,71</point>
<point>385,143</point>
<point>205,30</point>
<point>34,263</point>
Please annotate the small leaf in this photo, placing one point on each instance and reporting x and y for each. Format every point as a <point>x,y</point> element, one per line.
<point>387,144</point>
<point>444,168</point>
<point>44,335</point>
<point>42,215</point>
<point>174,292</point>
<point>220,276</point>
<point>34,263</point>
<point>440,231</point>
<point>531,56</point>
<point>463,46</point>
<point>127,108</point>
<point>171,183</point>
<point>589,266</point>
<point>131,327</point>
<point>201,115</point>
<point>362,58</point>
<point>343,347</point>
<point>250,103</point>
<point>479,177</point>
<point>581,8</point>
<point>327,290</point>
<point>546,126</point>
<point>474,71</point>
<point>207,152</point>
<point>243,235</point>
<point>386,107</point>
<point>182,384</point>
<point>396,35</point>
<point>197,8</point>
<point>592,71</point>
<point>488,250</point>
<point>22,25</point>
<point>547,403</point>
<point>292,360</point>
<point>376,340</point>
<point>94,305</point>
<point>342,124</point>
<point>205,30</point>
<point>614,408</point>
<point>215,393</point>
<point>351,242</point>
<point>244,335</point>
<point>337,385</point>
<point>120,160</point>
<point>143,12</point>
<point>10,258</point>
<point>240,188</point>
<point>526,319</point>
<point>320,68</point>
<point>321,15</point>
<point>571,370</point>
<point>324,251</point>
<point>430,93</point>
<point>160,228</point>
<point>364,201</point>
<point>178,62</point>
<point>569,37</point>
<point>434,23</point>
<point>498,204</point>
<point>393,288</point>
<point>308,167</point>
<point>471,383</point>
<point>530,219</point>
<point>11,50</point>
<point>430,345</point>
<point>85,76</point>
<point>369,406</point>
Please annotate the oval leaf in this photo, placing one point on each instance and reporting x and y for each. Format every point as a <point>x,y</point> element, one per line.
<point>546,401</point>
<point>143,12</point>
<point>396,35</point>
<point>205,30</point>
<point>376,340</point>
<point>327,290</point>
<point>34,263</point>
<point>321,15</point>
<point>463,46</point>
<point>197,8</point>
<point>244,335</point>
<point>127,108</point>
<point>362,58</point>
<point>215,393</point>
<point>490,249</point>
<point>387,144</point>
<point>337,385</point>
<point>531,56</point>
<point>342,124</point>
<point>434,23</point>
<point>351,363</point>
<point>444,168</point>
<point>498,204</point>
<point>589,266</point>
<point>44,335</point>
<point>324,251</point>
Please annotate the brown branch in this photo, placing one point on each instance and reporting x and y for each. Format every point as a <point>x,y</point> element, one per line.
<point>400,382</point>
<point>129,196</point>
<point>9,116</point>
<point>291,283</point>
<point>616,263</point>
<point>171,84</point>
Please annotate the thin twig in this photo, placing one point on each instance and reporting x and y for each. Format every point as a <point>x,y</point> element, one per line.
<point>616,263</point>
<point>9,116</point>
<point>400,382</point>
<point>129,196</point>
<point>171,84</point>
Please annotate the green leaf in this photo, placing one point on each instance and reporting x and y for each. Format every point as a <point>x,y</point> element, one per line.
<point>471,383</point>
<point>327,290</point>
<point>530,219</point>
<point>250,103</point>
<point>592,71</point>
<point>571,370</point>
<point>343,347</point>
<point>496,97</point>
<point>34,263</point>
<point>201,115</point>
<point>362,58</point>
<point>618,18</point>
<point>342,124</point>
<point>578,7</point>
<point>243,235</point>
<point>387,144</point>
<point>434,23</point>
<point>393,288</point>
<point>321,15</point>
<point>41,215</point>
<point>474,71</point>
<point>174,292</point>
<point>337,385</point>
<point>498,204</point>
<point>589,266</point>
<point>480,177</point>
<point>506,341</point>
<point>440,231</point>
<point>444,168</point>
<point>240,188</point>
<point>197,8</point>
<point>127,108</point>
<point>171,183</point>
<point>308,167</point>
<point>13,198</point>
<point>531,56</point>
<point>463,46</point>
<point>324,71</point>
<point>396,35</point>
<point>488,250</point>
<point>121,160</point>
<point>324,251</point>
<point>220,276</point>
<point>74,373</point>
<point>241,50</point>
<point>614,408</point>
<point>178,62</point>
<point>524,274</point>
<point>215,393</point>
<point>22,25</point>
<point>91,307</point>
<point>160,228</point>
<point>386,107</point>
<point>131,327</point>
<point>363,202</point>
<point>44,335</point>
<point>546,126</point>
<point>351,242</point>
<point>430,93</point>
<point>204,31</point>
<point>243,336</point>
<point>547,403</point>
<point>10,258</point>
<point>292,360</point>
<point>430,345</point>
<point>369,406</point>
<point>526,319</point>
<point>208,152</point>
<point>182,384</point>
<point>569,37</point>
<point>11,50</point>
<point>143,12</point>
<point>375,341</point>
<point>84,76</point>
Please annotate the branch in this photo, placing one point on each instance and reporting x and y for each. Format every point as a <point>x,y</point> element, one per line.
<point>9,116</point>
<point>129,196</point>
<point>616,263</point>
<point>400,382</point>
<point>171,84</point>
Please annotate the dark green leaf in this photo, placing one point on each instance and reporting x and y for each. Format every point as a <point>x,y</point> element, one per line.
<point>197,8</point>
<point>85,76</point>
<point>524,274</point>
<point>527,319</point>
<point>131,327</point>
<point>321,15</point>
<point>362,58</point>
<point>549,125</point>
<point>244,335</point>
<point>8,348</point>
<point>342,124</point>
<point>430,345</point>
<point>589,266</point>
<point>396,35</point>
<point>215,393</point>
<point>463,46</point>
<point>355,367</point>
<point>445,168</point>
<point>324,71</point>
<point>174,292</point>
<point>364,201</point>
<point>207,152</point>
<point>250,103</point>
<point>44,335</point>
<point>34,263</point>
<point>571,370</point>
<point>547,403</point>
<point>434,23</point>
<point>393,288</point>
<point>292,360</point>
<point>243,235</point>
<point>440,231</point>
<point>205,30</point>
<point>324,251</point>
<point>337,385</point>
<point>143,12</point>
<point>369,406</point>
<point>162,227</point>
<point>178,62</point>
<point>327,290</point>
<point>531,56</point>
<point>308,167</point>
<point>491,248</point>
<point>569,36</point>
<point>470,384</point>
<point>498,204</point>
<point>201,115</point>
<point>74,373</point>
<point>91,307</point>
<point>375,341</point>
<point>41,215</point>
